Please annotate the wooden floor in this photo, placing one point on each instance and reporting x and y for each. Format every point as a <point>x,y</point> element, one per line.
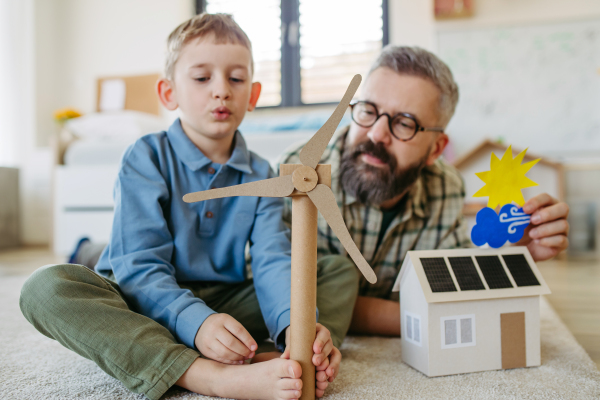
<point>575,289</point>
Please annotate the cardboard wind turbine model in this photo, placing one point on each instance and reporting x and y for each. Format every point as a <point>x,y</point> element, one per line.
<point>309,186</point>
<point>470,310</point>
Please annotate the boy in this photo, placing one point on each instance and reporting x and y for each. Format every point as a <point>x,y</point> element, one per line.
<point>181,267</point>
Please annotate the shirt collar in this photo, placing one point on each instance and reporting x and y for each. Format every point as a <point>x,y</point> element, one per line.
<point>194,159</point>
<point>417,196</point>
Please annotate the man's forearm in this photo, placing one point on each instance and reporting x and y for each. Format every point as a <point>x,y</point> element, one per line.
<point>373,316</point>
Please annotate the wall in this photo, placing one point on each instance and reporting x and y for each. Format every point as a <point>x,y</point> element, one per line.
<point>68,44</point>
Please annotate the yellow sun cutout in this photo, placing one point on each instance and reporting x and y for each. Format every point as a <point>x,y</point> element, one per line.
<point>505,179</point>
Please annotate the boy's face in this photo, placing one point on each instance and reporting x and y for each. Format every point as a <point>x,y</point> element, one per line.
<point>212,86</point>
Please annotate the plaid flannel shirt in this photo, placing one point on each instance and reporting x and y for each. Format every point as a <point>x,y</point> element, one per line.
<point>432,218</point>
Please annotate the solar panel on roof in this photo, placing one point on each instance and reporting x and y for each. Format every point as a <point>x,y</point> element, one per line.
<point>493,272</point>
<point>520,270</point>
<point>438,275</point>
<point>466,273</point>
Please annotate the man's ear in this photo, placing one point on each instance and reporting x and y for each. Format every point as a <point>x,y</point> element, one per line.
<point>166,94</point>
<point>254,95</point>
<point>438,148</point>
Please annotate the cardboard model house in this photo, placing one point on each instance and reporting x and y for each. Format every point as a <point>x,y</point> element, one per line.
<point>470,310</point>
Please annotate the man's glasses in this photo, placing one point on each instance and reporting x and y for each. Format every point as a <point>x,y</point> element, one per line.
<point>403,126</point>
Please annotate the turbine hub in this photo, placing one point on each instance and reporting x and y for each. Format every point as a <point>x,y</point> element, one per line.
<point>305,179</point>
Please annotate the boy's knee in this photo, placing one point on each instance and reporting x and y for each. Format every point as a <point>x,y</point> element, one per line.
<point>46,285</point>
<point>339,267</point>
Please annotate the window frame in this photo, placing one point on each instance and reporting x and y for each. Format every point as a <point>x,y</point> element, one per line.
<point>411,339</point>
<point>291,92</point>
<point>459,342</point>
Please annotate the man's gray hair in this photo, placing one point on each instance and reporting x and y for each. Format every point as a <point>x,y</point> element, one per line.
<point>420,62</point>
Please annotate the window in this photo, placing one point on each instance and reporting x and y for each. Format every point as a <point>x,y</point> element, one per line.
<point>412,328</point>
<point>307,51</point>
<point>458,331</point>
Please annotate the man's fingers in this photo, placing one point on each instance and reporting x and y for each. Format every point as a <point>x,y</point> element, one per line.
<point>238,330</point>
<point>558,227</point>
<point>550,213</point>
<point>538,201</point>
<point>559,242</point>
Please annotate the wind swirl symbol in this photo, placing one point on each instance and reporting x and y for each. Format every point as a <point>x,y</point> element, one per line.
<point>517,219</point>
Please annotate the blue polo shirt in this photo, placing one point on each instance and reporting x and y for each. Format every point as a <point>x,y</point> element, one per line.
<point>158,240</point>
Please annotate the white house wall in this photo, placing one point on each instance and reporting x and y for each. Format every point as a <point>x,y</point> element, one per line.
<point>487,353</point>
<point>413,301</point>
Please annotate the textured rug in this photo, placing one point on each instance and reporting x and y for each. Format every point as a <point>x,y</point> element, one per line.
<point>35,367</point>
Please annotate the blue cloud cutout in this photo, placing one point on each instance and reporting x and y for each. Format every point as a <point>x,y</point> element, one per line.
<point>496,229</point>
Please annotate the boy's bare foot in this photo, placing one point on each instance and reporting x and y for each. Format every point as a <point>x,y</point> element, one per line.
<point>277,379</point>
<point>262,357</point>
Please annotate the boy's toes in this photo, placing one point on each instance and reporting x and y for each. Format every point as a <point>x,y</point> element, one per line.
<point>290,369</point>
<point>289,384</point>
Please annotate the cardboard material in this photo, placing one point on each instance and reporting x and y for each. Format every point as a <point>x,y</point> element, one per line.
<point>325,201</point>
<point>313,150</point>
<point>513,340</point>
<point>323,174</point>
<point>140,93</point>
<point>505,179</point>
<point>281,186</point>
<point>482,347</point>
<point>303,305</point>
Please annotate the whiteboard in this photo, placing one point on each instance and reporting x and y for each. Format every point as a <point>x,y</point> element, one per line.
<point>535,86</point>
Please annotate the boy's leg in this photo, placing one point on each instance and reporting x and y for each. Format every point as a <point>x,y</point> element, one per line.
<point>337,290</point>
<point>87,314</point>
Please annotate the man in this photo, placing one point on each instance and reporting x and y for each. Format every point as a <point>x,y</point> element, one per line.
<point>394,191</point>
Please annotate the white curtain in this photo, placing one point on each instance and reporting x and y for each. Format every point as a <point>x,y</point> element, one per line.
<point>16,79</point>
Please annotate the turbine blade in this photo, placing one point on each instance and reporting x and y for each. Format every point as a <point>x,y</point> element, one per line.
<point>313,150</point>
<point>275,187</point>
<point>324,200</point>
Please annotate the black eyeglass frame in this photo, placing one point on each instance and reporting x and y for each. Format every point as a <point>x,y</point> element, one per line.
<point>418,127</point>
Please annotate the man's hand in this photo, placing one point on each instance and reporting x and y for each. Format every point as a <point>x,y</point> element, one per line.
<point>546,236</point>
<point>327,358</point>
<point>222,338</point>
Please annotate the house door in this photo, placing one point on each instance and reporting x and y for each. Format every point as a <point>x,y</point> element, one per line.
<point>512,326</point>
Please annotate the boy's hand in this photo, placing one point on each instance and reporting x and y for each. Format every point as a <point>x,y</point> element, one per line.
<point>222,338</point>
<point>327,358</point>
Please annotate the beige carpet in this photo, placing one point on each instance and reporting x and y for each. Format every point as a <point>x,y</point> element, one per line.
<point>35,367</point>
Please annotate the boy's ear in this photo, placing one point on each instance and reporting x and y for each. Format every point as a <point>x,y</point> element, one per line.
<point>438,148</point>
<point>166,94</point>
<point>254,95</point>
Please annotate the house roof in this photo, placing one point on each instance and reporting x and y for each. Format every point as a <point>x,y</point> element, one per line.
<point>485,147</point>
<point>474,274</point>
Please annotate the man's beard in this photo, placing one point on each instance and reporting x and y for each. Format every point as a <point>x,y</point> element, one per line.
<point>374,185</point>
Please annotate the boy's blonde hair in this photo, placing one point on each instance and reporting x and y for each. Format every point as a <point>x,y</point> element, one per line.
<point>223,28</point>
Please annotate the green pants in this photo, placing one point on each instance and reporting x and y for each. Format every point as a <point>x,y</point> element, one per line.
<point>89,315</point>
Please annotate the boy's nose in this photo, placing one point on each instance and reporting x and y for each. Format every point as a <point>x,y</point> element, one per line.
<point>221,90</point>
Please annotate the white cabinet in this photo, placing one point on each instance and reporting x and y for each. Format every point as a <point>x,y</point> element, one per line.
<point>83,205</point>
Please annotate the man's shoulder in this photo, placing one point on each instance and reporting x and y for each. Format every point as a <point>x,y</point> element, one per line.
<point>442,172</point>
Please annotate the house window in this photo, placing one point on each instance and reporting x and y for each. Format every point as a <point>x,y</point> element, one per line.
<point>307,51</point>
<point>458,331</point>
<point>412,328</point>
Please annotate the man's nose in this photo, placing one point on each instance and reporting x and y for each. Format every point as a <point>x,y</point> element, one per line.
<point>380,132</point>
<point>221,89</point>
